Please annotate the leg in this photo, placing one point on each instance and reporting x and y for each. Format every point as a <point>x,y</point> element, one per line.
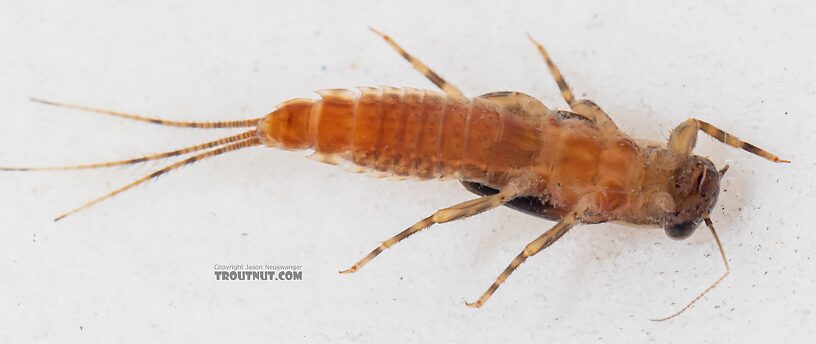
<point>422,68</point>
<point>204,125</point>
<point>545,240</point>
<point>591,110</point>
<point>587,108</point>
<point>710,226</point>
<point>556,73</point>
<point>459,211</point>
<point>684,137</point>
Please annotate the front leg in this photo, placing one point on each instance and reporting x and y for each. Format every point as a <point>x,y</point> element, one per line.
<point>684,137</point>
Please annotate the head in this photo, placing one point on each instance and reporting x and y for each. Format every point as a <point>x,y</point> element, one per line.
<point>696,187</point>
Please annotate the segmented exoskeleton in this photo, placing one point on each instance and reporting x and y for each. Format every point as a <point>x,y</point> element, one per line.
<point>571,166</point>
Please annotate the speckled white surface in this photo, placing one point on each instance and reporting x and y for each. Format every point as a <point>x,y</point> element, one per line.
<point>140,267</point>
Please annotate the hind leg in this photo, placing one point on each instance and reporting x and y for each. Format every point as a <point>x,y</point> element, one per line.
<point>584,107</point>
<point>422,68</point>
<point>459,211</point>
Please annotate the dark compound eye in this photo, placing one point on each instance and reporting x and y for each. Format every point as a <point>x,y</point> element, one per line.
<point>682,230</point>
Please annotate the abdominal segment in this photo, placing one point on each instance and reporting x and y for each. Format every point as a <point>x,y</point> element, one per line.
<point>406,132</point>
<point>426,135</point>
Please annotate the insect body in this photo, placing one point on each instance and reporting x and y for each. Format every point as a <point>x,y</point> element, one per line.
<point>571,166</point>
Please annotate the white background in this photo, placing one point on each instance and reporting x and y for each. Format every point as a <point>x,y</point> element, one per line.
<point>140,266</point>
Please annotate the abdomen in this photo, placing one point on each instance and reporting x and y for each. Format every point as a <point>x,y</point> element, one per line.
<point>407,132</point>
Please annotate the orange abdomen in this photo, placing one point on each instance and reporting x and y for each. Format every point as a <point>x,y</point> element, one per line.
<point>406,132</point>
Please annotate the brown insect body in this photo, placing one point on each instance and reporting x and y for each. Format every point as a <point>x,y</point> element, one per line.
<point>491,140</point>
<point>407,133</point>
<point>571,166</point>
